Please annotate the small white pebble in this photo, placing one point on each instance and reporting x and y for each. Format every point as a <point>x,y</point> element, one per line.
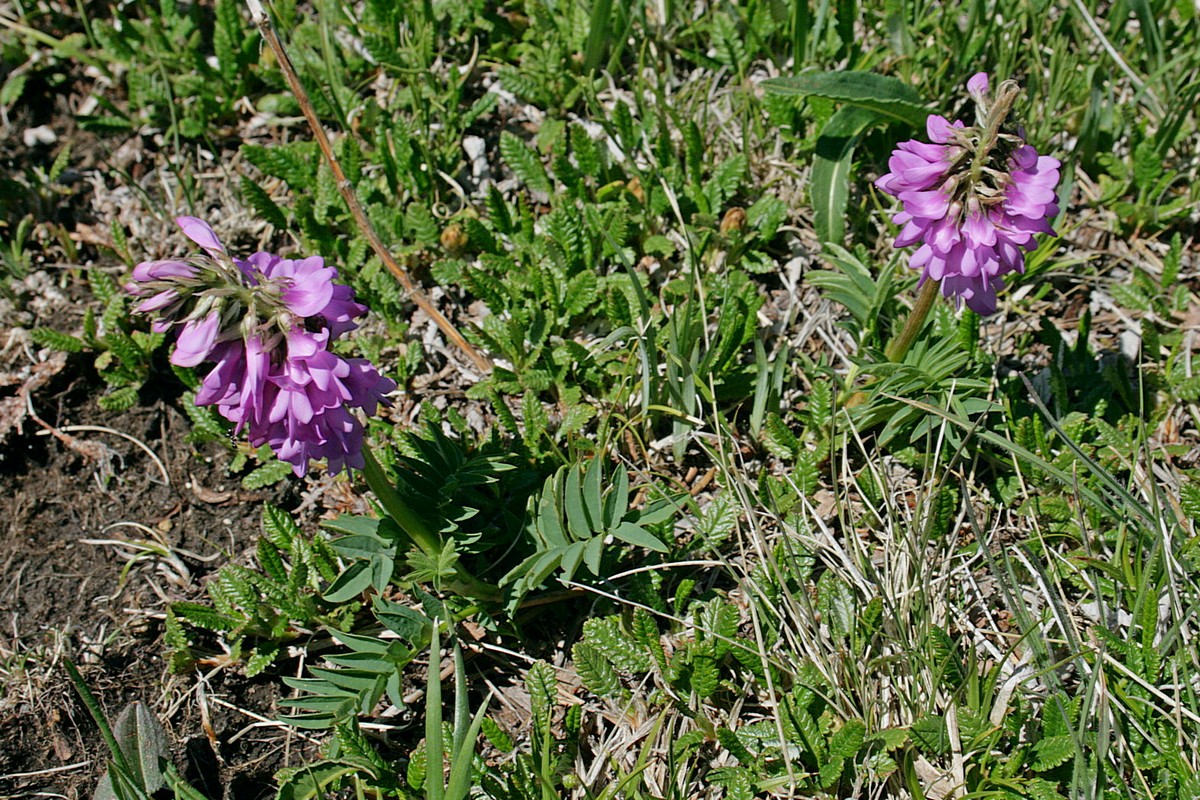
<point>40,135</point>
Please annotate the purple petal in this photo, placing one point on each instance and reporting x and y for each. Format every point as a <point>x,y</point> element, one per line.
<point>929,205</point>
<point>943,235</point>
<point>161,270</point>
<point>196,340</point>
<point>977,86</point>
<point>158,301</point>
<point>911,234</point>
<point>979,230</point>
<point>201,233</point>
<point>940,129</point>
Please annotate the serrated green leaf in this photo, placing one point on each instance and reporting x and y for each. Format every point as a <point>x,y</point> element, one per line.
<point>420,224</point>
<point>779,439</point>
<point>57,340</point>
<point>13,86</point>
<point>270,560</point>
<point>595,670</point>
<point>542,685</point>
<point>704,675</point>
<point>848,739</point>
<point>606,634</point>
<point>931,734</point>
<point>280,527</point>
<point>524,163</point>
<point>1052,751</point>
<point>267,475</point>
<point>1189,500</point>
<point>260,658</point>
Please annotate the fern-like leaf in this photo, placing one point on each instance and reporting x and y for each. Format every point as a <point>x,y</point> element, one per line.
<point>595,670</point>
<point>524,163</point>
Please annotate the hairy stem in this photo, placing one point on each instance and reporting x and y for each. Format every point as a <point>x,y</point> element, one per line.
<point>898,347</point>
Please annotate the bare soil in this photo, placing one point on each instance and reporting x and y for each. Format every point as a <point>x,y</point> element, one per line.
<point>100,605</point>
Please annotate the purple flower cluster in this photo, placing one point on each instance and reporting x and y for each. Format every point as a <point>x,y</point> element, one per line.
<point>974,198</point>
<point>267,323</point>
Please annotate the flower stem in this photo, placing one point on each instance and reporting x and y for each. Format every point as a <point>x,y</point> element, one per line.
<point>898,347</point>
<point>991,133</point>
<point>418,533</point>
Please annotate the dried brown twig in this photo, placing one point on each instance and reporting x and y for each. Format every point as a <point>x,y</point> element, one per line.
<point>260,18</point>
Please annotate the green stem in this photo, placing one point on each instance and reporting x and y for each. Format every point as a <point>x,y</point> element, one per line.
<point>413,526</point>
<point>898,347</point>
<point>417,532</point>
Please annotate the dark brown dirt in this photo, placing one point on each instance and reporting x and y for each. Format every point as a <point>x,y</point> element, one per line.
<point>63,598</point>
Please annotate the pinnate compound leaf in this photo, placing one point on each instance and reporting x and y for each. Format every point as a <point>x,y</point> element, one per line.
<point>279,527</point>
<point>1189,500</point>
<point>524,163</point>
<point>271,561</point>
<point>595,670</point>
<point>119,400</point>
<point>778,438</point>
<point>261,658</point>
<point>56,340</point>
<point>267,475</point>
<point>258,199</point>
<point>203,616</point>
<point>1052,751</point>
<point>606,635</point>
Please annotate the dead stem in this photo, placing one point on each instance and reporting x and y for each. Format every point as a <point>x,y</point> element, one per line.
<point>260,18</point>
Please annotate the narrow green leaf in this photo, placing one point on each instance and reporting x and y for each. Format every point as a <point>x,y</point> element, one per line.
<point>434,748</point>
<point>830,186</point>
<point>883,94</point>
<point>593,494</point>
<point>460,769</point>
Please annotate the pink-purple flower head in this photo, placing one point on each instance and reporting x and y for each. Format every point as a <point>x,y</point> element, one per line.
<point>973,198</point>
<point>266,322</point>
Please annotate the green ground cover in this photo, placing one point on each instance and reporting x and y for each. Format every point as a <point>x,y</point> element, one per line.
<point>728,545</point>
